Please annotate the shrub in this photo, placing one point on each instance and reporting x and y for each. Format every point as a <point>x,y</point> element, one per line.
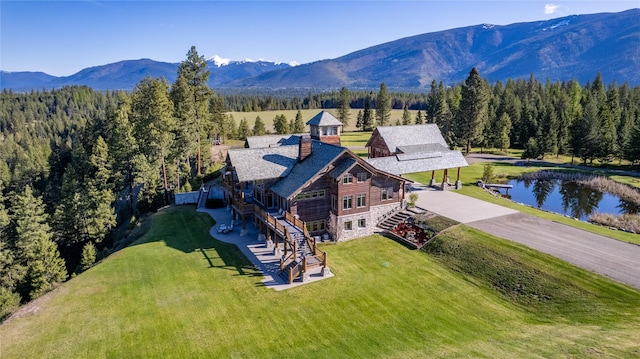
<point>9,301</point>
<point>413,198</point>
<point>487,173</point>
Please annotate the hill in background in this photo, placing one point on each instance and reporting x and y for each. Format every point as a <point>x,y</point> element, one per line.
<point>573,47</point>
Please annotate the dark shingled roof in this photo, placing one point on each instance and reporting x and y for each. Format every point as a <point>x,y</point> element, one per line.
<point>342,167</point>
<point>409,135</point>
<point>253,164</point>
<point>271,141</point>
<point>322,154</point>
<point>324,118</point>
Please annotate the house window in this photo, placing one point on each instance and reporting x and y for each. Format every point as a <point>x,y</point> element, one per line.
<point>362,223</point>
<point>315,226</point>
<point>346,179</point>
<point>361,200</point>
<point>362,176</point>
<point>311,194</point>
<point>347,202</point>
<point>334,202</point>
<point>348,226</point>
<point>387,193</point>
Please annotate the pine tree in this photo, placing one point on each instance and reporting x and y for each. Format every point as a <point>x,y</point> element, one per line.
<point>473,107</point>
<point>153,124</point>
<point>101,217</point>
<point>281,124</point>
<point>243,129</point>
<point>34,246</point>
<point>632,151</point>
<point>504,128</point>
<point>383,106</point>
<point>88,257</point>
<point>344,101</point>
<point>193,100</point>
<point>419,118</point>
<point>367,119</point>
<point>298,124</point>
<point>406,116</point>
<point>258,127</point>
<point>359,120</point>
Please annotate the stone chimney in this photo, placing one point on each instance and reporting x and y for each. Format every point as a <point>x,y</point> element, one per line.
<point>304,147</point>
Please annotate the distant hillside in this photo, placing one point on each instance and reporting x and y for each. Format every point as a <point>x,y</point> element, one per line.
<point>124,75</point>
<point>560,49</point>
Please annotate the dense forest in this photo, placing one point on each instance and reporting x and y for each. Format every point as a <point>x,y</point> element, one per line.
<point>77,164</point>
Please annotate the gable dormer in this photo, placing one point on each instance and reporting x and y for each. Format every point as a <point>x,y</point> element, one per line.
<point>325,128</point>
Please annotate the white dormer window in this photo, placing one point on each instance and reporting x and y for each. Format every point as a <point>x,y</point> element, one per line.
<point>347,179</point>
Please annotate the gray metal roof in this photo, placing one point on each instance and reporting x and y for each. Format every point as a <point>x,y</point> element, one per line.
<point>253,164</point>
<point>324,118</point>
<point>426,147</point>
<point>409,135</point>
<point>322,154</point>
<point>402,164</point>
<point>271,141</point>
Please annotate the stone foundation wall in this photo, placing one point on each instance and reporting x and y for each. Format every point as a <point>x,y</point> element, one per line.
<point>372,218</point>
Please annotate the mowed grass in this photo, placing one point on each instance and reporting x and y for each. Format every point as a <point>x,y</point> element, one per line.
<point>269,116</point>
<point>178,293</point>
<point>470,175</point>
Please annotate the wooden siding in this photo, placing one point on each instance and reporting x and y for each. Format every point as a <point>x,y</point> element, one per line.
<point>314,209</point>
<point>378,147</point>
<point>380,182</point>
<point>352,189</point>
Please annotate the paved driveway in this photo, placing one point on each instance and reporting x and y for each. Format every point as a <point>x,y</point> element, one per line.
<point>612,258</point>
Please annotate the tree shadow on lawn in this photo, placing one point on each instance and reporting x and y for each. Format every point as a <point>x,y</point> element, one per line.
<point>190,238</point>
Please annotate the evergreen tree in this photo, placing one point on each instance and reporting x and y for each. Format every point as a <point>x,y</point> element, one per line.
<point>406,116</point>
<point>101,217</point>
<point>281,124</point>
<point>419,118</point>
<point>153,127</point>
<point>243,129</point>
<point>359,120</point>
<point>367,118</point>
<point>258,127</point>
<point>473,107</point>
<point>383,106</point>
<point>194,99</point>
<point>344,101</point>
<point>504,128</point>
<point>531,149</point>
<point>298,124</point>
<point>88,257</point>
<point>34,247</point>
<point>632,151</point>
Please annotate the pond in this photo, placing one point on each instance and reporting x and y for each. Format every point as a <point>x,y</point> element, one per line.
<point>568,198</point>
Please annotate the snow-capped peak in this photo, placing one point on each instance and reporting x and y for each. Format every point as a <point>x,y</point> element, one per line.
<point>487,26</point>
<point>219,61</point>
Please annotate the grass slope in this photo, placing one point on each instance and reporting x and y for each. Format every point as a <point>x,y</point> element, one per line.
<point>179,293</point>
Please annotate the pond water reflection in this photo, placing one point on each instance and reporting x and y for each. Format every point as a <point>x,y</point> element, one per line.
<point>568,198</point>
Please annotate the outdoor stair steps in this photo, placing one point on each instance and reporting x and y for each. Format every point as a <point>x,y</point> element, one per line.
<point>397,218</point>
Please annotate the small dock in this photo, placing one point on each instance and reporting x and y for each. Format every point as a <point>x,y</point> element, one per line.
<point>498,187</point>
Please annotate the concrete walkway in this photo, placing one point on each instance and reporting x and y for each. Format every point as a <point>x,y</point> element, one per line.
<point>256,251</point>
<point>603,255</point>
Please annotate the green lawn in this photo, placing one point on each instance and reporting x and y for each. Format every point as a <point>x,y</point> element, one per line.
<point>178,293</point>
<point>269,116</point>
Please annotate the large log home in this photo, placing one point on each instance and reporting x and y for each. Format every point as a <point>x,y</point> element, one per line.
<point>312,179</point>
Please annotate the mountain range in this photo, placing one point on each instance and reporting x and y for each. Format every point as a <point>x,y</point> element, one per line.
<point>573,47</point>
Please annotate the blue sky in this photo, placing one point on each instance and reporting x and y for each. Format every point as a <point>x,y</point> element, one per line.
<point>63,37</point>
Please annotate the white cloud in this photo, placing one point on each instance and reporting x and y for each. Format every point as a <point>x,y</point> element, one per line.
<point>551,8</point>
